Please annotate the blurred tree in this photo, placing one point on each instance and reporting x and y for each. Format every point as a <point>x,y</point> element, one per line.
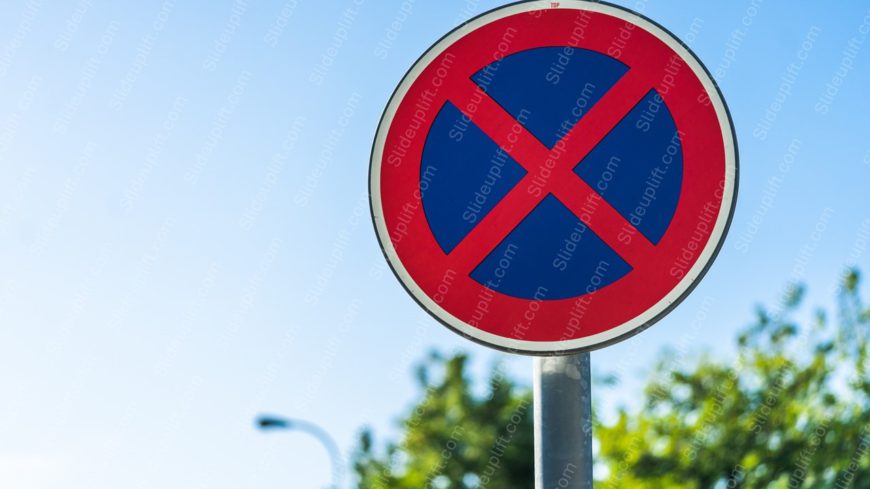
<point>790,410</point>
<point>455,439</point>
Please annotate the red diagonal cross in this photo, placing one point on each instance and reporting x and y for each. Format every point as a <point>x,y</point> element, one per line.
<point>563,183</point>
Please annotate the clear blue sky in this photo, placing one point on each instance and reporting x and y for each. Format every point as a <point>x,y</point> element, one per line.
<point>185,240</point>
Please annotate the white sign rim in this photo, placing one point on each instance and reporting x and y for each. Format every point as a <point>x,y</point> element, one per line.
<point>639,322</point>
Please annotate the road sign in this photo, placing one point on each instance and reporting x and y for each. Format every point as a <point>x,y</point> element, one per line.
<point>553,177</point>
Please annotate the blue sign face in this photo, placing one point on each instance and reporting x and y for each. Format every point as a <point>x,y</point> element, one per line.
<point>637,169</point>
<point>553,177</point>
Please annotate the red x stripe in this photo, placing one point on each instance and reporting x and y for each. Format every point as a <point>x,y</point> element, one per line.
<point>563,183</point>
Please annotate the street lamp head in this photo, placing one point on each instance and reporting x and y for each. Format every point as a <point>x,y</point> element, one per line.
<point>271,422</point>
<point>267,423</point>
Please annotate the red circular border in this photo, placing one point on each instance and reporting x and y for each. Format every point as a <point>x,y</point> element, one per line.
<point>704,171</point>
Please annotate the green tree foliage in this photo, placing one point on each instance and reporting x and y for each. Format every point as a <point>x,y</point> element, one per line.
<point>455,439</point>
<point>791,409</point>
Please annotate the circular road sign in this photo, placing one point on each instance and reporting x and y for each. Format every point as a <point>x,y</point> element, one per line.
<point>553,177</point>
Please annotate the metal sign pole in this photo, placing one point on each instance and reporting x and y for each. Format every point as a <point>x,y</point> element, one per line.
<point>563,422</point>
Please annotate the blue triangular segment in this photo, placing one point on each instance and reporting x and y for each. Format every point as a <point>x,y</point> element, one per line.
<point>549,89</point>
<point>550,255</point>
<point>463,175</point>
<point>638,167</point>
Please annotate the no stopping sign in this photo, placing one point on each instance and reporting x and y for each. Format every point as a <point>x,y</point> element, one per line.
<point>553,176</point>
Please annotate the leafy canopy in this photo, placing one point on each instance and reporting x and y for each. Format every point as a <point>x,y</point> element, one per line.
<point>791,410</point>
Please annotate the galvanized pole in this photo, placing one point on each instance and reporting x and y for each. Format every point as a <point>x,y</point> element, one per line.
<point>563,422</point>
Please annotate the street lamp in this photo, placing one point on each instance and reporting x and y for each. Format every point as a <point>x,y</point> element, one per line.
<point>272,423</point>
